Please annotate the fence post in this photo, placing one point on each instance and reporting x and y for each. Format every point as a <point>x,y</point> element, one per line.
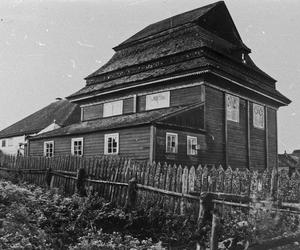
<point>48,177</point>
<point>204,218</point>
<point>214,239</point>
<point>131,195</point>
<point>205,209</point>
<point>81,176</point>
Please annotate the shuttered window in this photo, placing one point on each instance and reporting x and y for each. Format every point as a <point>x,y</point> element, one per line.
<point>48,148</point>
<point>258,116</point>
<point>113,108</point>
<point>111,144</point>
<point>191,145</point>
<point>77,146</point>
<point>232,108</point>
<point>171,143</point>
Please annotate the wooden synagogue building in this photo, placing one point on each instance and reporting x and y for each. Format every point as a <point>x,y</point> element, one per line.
<point>181,90</point>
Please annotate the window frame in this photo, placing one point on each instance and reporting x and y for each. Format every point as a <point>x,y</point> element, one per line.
<point>3,143</point>
<point>229,117</point>
<point>106,138</point>
<point>73,140</point>
<point>108,108</point>
<point>193,151</point>
<point>176,142</point>
<point>45,148</point>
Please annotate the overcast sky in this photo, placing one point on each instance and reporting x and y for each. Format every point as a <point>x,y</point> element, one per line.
<point>48,47</point>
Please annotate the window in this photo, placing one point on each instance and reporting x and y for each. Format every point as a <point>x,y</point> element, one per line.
<point>191,145</point>
<point>232,108</point>
<point>159,100</point>
<point>111,144</point>
<point>3,143</point>
<point>258,116</point>
<point>77,146</point>
<point>10,142</point>
<point>113,108</point>
<point>171,143</point>
<point>48,148</point>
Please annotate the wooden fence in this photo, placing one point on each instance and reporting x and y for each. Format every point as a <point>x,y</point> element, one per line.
<point>110,175</point>
<point>176,189</point>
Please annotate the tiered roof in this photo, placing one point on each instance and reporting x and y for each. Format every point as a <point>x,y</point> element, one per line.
<point>201,40</point>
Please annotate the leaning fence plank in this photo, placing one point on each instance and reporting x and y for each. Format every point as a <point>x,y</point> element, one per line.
<point>228,180</point>
<point>236,188</point>
<point>204,179</point>
<point>198,181</point>
<point>254,185</point>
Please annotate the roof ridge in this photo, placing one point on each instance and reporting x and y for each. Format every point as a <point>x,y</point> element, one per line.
<point>131,39</point>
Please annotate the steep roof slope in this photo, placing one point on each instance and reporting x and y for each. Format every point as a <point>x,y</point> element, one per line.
<point>63,112</point>
<point>200,40</point>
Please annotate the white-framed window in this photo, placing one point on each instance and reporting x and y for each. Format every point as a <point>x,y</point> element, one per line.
<point>191,145</point>
<point>10,142</point>
<point>232,108</point>
<point>258,116</point>
<point>3,143</point>
<point>171,142</point>
<point>77,146</point>
<point>158,100</point>
<point>111,144</point>
<point>113,108</point>
<point>48,148</point>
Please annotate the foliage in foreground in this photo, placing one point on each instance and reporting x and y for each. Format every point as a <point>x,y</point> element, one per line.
<point>32,218</point>
<point>35,218</point>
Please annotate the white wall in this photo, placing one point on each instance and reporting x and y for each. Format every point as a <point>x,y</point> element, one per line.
<point>12,144</point>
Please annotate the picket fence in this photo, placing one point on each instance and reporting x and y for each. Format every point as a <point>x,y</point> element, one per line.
<point>174,188</point>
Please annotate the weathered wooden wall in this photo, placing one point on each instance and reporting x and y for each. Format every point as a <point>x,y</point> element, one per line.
<point>181,156</point>
<point>134,143</point>
<point>214,125</point>
<point>228,141</point>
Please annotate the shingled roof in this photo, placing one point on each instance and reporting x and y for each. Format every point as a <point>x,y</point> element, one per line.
<point>179,45</point>
<point>116,122</point>
<point>62,111</point>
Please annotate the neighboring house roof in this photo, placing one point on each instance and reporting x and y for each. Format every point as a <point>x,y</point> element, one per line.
<point>199,40</point>
<point>296,152</point>
<point>288,161</point>
<point>63,112</point>
<point>116,122</point>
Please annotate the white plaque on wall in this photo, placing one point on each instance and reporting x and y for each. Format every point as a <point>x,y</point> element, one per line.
<point>158,100</point>
<point>258,116</point>
<point>232,108</point>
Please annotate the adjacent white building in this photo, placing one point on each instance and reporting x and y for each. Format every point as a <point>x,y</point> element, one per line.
<point>13,139</point>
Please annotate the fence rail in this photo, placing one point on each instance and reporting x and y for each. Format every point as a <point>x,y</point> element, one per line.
<point>175,188</point>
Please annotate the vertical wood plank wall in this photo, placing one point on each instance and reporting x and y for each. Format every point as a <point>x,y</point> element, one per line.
<point>214,119</point>
<point>237,139</point>
<point>241,143</point>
